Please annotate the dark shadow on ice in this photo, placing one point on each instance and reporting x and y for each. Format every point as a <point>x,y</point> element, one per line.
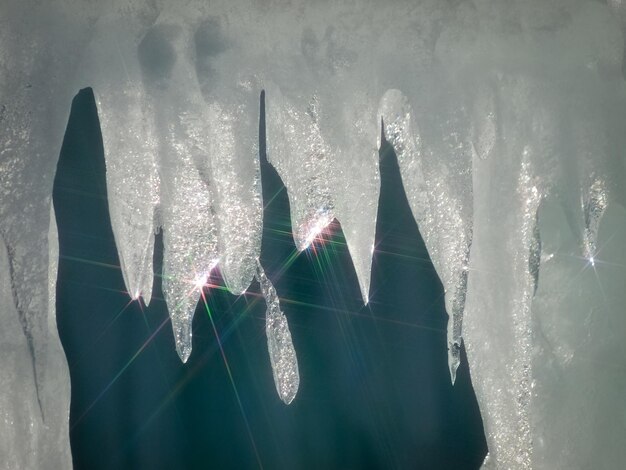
<point>374,391</point>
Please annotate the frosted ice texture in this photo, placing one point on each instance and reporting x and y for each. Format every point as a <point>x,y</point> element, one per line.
<point>507,119</point>
<point>34,407</point>
<point>436,166</point>
<point>322,128</point>
<point>130,143</point>
<point>279,344</point>
<point>178,158</point>
<point>35,98</point>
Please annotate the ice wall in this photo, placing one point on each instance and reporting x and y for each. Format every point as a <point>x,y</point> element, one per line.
<point>508,122</point>
<point>34,406</point>
<point>35,99</point>
<point>279,344</point>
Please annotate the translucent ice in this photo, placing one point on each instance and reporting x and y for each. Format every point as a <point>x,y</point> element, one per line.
<point>228,75</point>
<point>279,344</point>
<point>316,141</point>
<point>579,354</point>
<point>508,122</point>
<point>497,327</point>
<point>186,210</point>
<point>435,164</point>
<point>178,158</point>
<point>130,143</point>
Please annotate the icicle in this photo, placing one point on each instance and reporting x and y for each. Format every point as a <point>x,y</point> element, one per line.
<point>130,142</point>
<point>226,70</point>
<point>299,153</point>
<point>279,344</point>
<point>234,166</point>
<point>530,89</point>
<point>317,142</point>
<point>189,240</point>
<point>436,175</point>
<point>314,144</point>
<point>132,184</point>
<point>498,319</point>
<point>187,192</point>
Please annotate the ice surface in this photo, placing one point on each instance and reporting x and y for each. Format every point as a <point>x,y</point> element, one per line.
<point>508,122</point>
<point>279,344</point>
<point>300,155</point>
<point>130,144</point>
<point>178,159</point>
<point>31,130</point>
<point>315,139</point>
<point>436,167</point>
<point>186,209</point>
<point>35,99</point>
<point>34,409</point>
<point>229,78</point>
<point>579,354</point>
<point>497,327</point>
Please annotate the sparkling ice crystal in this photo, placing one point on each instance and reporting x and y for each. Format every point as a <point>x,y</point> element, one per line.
<point>279,344</point>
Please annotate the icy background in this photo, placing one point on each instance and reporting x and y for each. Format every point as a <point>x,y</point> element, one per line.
<point>508,122</point>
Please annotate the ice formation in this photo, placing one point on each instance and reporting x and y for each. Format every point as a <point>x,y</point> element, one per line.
<point>436,167</point>
<point>279,344</point>
<point>508,122</point>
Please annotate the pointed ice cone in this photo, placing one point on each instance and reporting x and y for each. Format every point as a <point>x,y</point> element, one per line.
<point>435,165</point>
<point>130,144</point>
<point>233,143</point>
<point>279,345</point>
<point>182,328</point>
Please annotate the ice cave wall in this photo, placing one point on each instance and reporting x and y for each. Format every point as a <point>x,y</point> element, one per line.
<point>508,122</point>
